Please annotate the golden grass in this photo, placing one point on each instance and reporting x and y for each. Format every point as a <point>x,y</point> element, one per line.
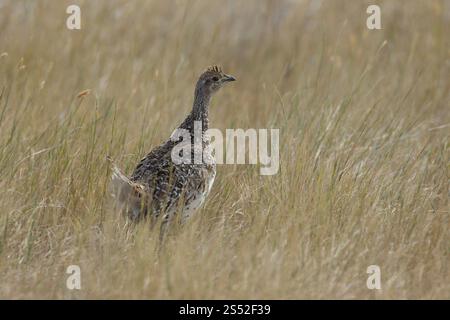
<point>364,124</point>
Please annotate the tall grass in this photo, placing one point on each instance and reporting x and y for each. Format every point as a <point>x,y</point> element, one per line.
<point>364,121</point>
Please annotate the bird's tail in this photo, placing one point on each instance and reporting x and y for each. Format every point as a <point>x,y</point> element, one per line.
<point>129,195</point>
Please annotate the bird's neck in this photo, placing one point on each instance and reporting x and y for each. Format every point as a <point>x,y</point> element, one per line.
<point>199,111</point>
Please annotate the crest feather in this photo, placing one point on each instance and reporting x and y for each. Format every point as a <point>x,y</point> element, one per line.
<point>214,68</point>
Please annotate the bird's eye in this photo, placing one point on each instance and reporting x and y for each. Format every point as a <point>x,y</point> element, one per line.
<point>215,79</point>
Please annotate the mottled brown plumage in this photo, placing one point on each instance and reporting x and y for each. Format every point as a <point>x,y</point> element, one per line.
<point>158,185</point>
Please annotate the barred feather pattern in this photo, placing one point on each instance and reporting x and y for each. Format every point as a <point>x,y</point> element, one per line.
<point>160,187</point>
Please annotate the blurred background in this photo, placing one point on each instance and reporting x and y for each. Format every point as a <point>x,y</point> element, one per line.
<point>364,121</point>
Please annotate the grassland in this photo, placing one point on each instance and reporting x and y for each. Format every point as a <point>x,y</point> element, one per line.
<point>364,119</point>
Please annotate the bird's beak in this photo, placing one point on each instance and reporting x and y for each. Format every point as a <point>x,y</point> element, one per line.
<point>227,78</point>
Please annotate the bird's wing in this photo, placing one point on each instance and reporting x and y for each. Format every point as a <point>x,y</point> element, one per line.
<point>153,162</point>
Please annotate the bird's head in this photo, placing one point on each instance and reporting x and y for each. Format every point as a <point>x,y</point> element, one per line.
<point>212,80</point>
